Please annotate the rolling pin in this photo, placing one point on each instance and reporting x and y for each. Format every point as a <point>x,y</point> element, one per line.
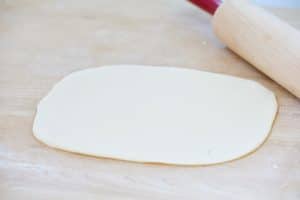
<point>262,39</point>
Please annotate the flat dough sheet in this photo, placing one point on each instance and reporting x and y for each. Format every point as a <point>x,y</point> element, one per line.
<point>156,114</point>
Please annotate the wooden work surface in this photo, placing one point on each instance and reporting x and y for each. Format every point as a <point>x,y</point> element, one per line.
<point>42,41</point>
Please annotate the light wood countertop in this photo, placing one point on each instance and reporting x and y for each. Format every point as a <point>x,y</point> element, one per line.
<point>42,41</point>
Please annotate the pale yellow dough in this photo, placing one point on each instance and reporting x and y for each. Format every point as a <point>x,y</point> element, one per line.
<point>156,114</point>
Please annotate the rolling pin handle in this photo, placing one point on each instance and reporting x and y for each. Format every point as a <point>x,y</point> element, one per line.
<point>209,6</point>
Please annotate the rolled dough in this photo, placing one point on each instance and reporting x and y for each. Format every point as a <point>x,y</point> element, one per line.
<point>156,114</point>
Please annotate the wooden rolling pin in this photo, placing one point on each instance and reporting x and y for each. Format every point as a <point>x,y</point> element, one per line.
<point>264,40</point>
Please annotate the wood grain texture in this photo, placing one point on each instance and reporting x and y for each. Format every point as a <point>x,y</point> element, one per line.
<point>42,41</point>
